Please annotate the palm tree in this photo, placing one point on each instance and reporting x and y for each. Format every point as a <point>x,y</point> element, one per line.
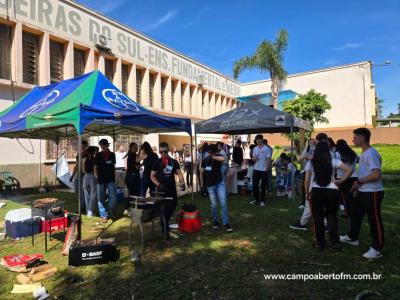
<point>268,58</point>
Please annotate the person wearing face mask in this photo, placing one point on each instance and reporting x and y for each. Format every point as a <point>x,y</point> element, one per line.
<point>305,156</point>
<point>163,175</point>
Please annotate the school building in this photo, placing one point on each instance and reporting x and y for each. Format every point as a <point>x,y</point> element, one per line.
<point>45,41</point>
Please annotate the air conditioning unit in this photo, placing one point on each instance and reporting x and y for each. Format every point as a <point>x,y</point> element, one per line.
<point>102,42</point>
<point>201,79</point>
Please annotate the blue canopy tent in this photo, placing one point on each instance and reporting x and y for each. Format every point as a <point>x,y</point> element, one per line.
<point>89,104</point>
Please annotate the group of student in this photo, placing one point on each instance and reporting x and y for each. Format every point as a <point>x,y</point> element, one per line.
<point>331,179</point>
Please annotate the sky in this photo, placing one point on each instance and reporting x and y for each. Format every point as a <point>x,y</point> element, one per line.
<point>321,33</point>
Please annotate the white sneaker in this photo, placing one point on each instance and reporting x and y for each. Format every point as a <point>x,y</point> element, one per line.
<point>262,203</point>
<point>301,206</point>
<point>342,207</point>
<point>127,213</point>
<point>348,240</point>
<point>372,254</point>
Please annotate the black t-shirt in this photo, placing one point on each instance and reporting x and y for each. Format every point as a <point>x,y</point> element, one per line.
<point>131,163</point>
<point>105,162</point>
<point>148,163</point>
<point>166,172</point>
<point>237,155</point>
<point>89,164</point>
<point>212,171</point>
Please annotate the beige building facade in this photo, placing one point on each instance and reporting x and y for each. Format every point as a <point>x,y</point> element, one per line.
<point>45,41</point>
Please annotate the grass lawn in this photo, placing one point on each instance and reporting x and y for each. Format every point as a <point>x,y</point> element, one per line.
<point>214,264</point>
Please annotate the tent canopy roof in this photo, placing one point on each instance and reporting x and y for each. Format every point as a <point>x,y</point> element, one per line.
<point>88,104</point>
<point>252,117</point>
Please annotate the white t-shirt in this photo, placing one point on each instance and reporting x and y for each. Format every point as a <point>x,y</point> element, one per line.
<point>119,159</point>
<point>340,173</point>
<point>304,157</point>
<point>262,153</point>
<point>309,167</point>
<point>370,159</point>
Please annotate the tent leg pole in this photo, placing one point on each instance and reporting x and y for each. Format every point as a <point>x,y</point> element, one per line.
<point>292,158</point>
<point>191,169</point>
<point>79,182</point>
<point>55,184</point>
<point>195,164</point>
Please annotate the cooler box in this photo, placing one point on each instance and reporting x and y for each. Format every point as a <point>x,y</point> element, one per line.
<point>19,223</point>
<point>57,224</point>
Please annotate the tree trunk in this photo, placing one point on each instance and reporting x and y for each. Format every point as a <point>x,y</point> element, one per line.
<point>275,91</point>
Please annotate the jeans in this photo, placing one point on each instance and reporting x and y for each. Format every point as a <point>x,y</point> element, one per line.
<point>224,171</point>
<point>90,190</point>
<point>112,197</point>
<point>76,188</point>
<point>218,193</point>
<point>188,169</point>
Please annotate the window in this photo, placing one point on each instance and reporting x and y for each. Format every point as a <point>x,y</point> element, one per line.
<point>124,78</point>
<point>151,89</point>
<point>79,62</point>
<point>5,49</point>
<point>183,89</point>
<point>109,69</point>
<point>192,88</point>
<point>138,85</point>
<point>127,139</point>
<point>163,85</point>
<point>30,50</point>
<point>68,147</point>
<point>173,89</point>
<point>56,61</point>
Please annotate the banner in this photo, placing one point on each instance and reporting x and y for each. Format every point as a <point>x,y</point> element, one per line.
<point>63,172</point>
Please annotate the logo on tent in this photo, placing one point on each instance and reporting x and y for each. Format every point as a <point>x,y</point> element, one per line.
<point>42,103</point>
<point>280,120</point>
<point>119,100</point>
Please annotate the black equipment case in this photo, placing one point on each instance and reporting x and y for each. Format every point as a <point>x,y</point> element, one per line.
<point>92,252</point>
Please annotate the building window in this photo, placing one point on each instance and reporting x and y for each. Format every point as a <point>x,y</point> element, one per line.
<point>5,50</point>
<point>183,89</point>
<point>139,78</point>
<point>164,81</point>
<point>109,69</point>
<point>151,88</point>
<point>173,90</point>
<point>66,147</point>
<point>192,89</point>
<point>79,62</point>
<point>30,50</point>
<point>127,139</point>
<point>56,61</point>
<point>124,78</point>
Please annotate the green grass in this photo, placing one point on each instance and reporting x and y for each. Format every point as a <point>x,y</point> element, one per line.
<point>218,265</point>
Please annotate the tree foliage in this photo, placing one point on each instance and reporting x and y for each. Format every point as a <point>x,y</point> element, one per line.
<point>310,107</point>
<point>267,58</point>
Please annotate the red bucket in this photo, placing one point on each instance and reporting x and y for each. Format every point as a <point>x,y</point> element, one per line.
<point>189,219</point>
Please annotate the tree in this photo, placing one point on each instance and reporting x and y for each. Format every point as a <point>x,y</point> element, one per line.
<point>267,58</point>
<point>309,107</point>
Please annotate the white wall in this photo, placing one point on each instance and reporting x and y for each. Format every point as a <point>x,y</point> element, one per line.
<point>349,90</point>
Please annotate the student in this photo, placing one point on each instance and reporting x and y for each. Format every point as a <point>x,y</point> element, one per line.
<point>289,172</point>
<point>104,171</point>
<point>225,164</point>
<point>211,178</point>
<point>348,157</point>
<point>369,198</point>
<point>75,177</point>
<point>163,177</point>
<point>89,180</point>
<point>323,197</point>
<point>175,154</point>
<point>305,156</point>
<point>120,156</point>
<point>188,166</point>
<point>269,178</point>
<point>262,163</point>
<point>237,155</point>
<point>132,177</point>
<point>148,157</point>
<point>306,216</point>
